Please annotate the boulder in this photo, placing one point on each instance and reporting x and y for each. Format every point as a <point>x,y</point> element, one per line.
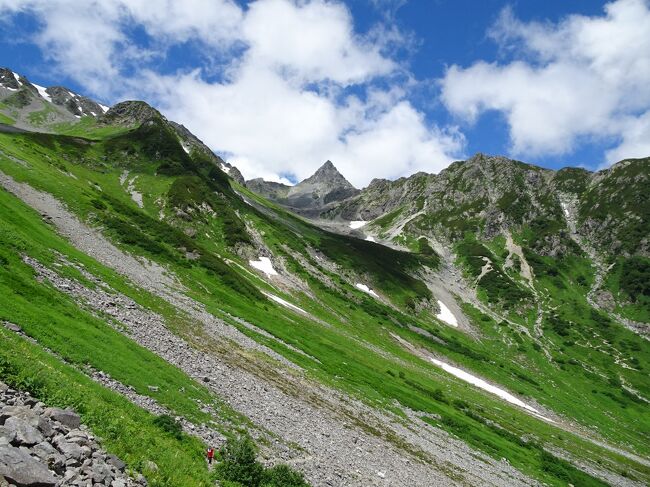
<point>44,451</point>
<point>23,432</point>
<point>116,462</point>
<point>70,451</point>
<point>45,426</point>
<point>19,468</point>
<point>23,412</point>
<point>64,416</point>
<point>101,474</point>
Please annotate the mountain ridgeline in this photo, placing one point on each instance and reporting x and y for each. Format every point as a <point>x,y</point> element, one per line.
<point>487,325</point>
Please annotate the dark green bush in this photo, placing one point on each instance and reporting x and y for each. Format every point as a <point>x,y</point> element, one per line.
<point>238,463</point>
<point>169,425</point>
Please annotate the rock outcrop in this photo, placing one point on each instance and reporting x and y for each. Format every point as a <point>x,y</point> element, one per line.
<point>49,447</point>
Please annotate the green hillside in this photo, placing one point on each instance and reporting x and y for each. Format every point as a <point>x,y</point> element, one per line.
<point>577,365</point>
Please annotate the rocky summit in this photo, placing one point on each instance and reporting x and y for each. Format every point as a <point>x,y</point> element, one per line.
<point>311,196</point>
<point>486,325</point>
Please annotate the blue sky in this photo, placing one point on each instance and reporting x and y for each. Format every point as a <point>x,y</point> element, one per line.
<point>383,88</point>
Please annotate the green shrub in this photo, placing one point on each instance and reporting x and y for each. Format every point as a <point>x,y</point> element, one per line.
<point>283,476</point>
<point>169,425</point>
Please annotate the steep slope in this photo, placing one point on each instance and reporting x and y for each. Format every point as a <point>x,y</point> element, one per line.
<point>357,363</point>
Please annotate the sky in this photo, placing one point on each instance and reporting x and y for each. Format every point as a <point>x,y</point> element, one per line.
<point>382,88</point>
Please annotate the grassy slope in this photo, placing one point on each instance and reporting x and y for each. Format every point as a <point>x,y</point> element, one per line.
<point>343,363</point>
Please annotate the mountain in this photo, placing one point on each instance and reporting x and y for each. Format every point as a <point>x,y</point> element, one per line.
<point>491,195</point>
<point>27,105</point>
<point>317,193</point>
<point>494,333</point>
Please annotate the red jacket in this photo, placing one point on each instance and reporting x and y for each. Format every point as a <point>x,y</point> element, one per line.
<point>210,453</point>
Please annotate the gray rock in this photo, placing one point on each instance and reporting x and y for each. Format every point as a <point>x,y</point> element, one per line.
<point>6,436</point>
<point>23,432</point>
<point>116,462</point>
<point>13,327</point>
<point>21,469</point>
<point>44,450</point>
<point>64,416</point>
<point>71,451</point>
<point>101,474</point>
<point>45,427</point>
<point>19,411</point>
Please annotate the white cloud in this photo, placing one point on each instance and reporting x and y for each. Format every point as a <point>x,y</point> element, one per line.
<point>90,41</point>
<point>636,139</point>
<point>582,77</point>
<point>282,104</point>
<point>312,40</point>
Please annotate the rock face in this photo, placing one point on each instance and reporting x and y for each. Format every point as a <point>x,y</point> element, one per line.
<point>76,104</point>
<point>129,113</point>
<point>47,447</point>
<point>324,189</point>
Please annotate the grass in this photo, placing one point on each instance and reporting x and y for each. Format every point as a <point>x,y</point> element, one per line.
<point>382,372</point>
<point>6,119</point>
<point>124,429</point>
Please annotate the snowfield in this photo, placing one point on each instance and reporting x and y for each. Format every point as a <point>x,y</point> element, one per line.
<point>370,239</point>
<point>481,384</point>
<point>281,301</point>
<point>366,289</point>
<point>43,93</point>
<point>357,224</point>
<point>264,265</point>
<point>446,315</point>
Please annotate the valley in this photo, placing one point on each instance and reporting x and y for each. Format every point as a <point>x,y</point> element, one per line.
<point>487,325</point>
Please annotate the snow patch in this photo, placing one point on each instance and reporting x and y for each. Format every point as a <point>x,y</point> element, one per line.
<point>357,224</point>
<point>264,265</point>
<point>481,384</point>
<point>446,315</point>
<point>370,239</point>
<point>281,301</point>
<point>43,93</point>
<point>366,289</point>
<point>103,107</point>
<point>225,168</point>
<point>17,76</point>
<point>565,209</point>
<point>185,148</point>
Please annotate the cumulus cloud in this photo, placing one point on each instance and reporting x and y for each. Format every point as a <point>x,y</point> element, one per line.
<point>91,41</point>
<point>298,84</point>
<point>584,77</point>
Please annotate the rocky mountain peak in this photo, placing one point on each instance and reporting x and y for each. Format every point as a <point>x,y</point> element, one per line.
<point>130,113</point>
<point>329,175</point>
<point>8,79</point>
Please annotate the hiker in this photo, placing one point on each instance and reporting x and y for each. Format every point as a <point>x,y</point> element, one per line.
<point>210,455</point>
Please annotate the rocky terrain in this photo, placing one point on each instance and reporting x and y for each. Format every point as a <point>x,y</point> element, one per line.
<point>49,447</point>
